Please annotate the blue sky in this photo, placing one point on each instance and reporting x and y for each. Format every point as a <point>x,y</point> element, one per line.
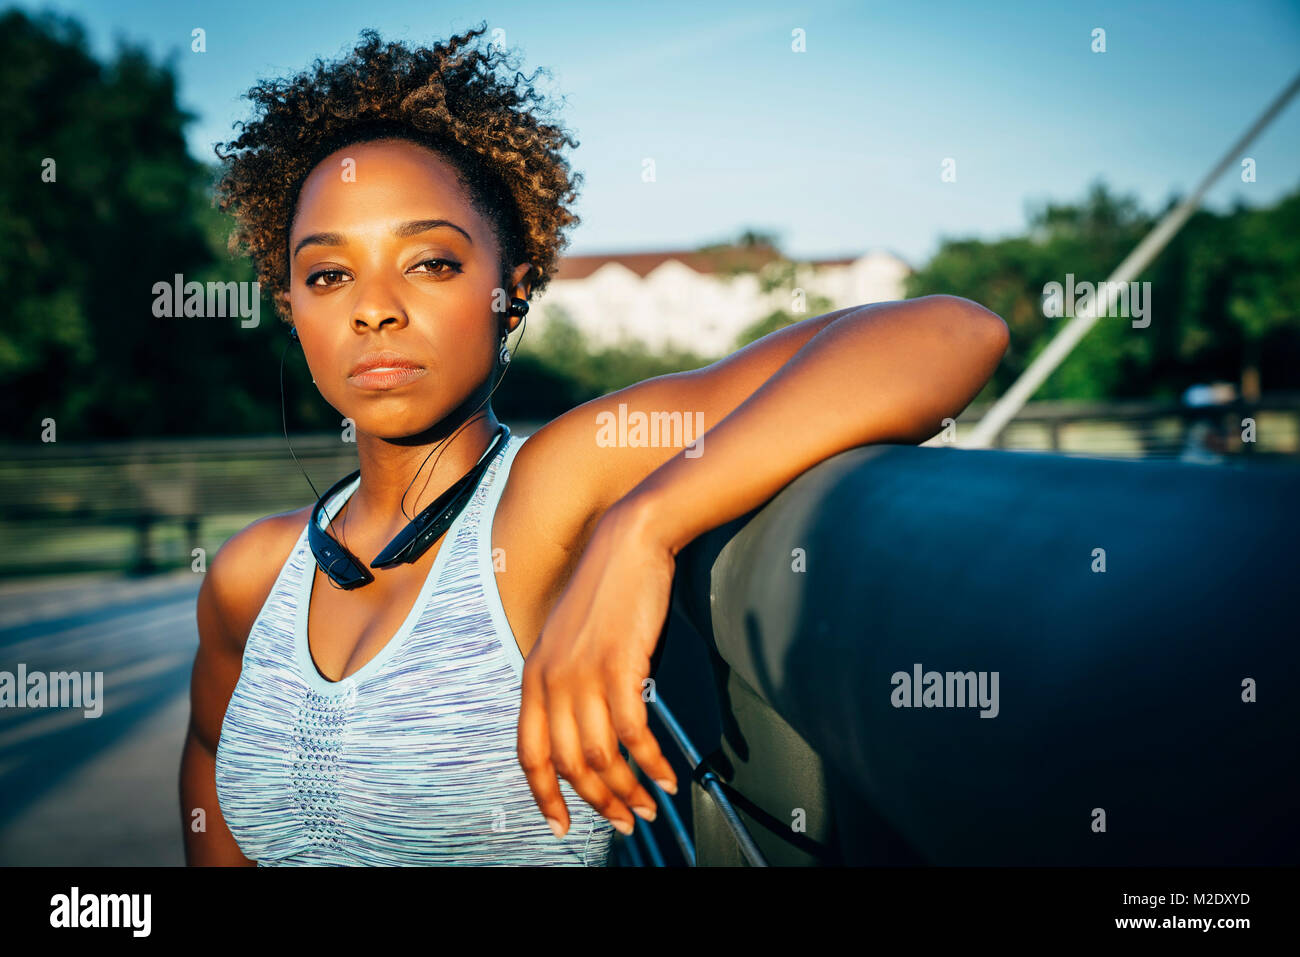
<point>838,149</point>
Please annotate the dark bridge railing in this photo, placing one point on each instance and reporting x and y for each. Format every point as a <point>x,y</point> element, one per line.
<point>1147,713</point>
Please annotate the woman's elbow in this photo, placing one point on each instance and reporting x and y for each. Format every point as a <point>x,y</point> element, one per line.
<point>983,328</point>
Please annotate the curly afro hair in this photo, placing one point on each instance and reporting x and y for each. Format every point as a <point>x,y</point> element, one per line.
<point>448,98</point>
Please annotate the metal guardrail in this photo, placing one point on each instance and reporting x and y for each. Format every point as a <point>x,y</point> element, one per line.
<point>146,504</point>
<point>712,786</point>
<point>143,505</point>
<point>1152,429</point>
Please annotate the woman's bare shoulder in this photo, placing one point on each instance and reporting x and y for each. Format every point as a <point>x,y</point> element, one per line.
<point>243,571</point>
<point>546,499</point>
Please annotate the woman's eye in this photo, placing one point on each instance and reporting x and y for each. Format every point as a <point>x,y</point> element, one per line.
<point>449,266</point>
<point>311,280</point>
<point>436,267</point>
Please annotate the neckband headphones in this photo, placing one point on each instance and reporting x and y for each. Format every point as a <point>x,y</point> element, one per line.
<point>342,567</point>
<point>412,541</point>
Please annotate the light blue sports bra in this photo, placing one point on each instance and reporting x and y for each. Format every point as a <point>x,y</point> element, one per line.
<point>410,761</point>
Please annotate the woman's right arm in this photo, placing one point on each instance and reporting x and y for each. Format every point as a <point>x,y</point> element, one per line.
<point>236,584</point>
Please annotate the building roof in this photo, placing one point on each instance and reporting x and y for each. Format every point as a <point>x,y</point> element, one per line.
<point>706,261</point>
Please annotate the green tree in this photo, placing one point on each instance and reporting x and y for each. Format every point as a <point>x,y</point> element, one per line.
<point>560,369</point>
<point>1222,296</point>
<point>127,207</point>
<point>782,275</point>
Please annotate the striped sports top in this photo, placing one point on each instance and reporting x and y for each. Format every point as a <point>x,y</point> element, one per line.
<point>411,760</point>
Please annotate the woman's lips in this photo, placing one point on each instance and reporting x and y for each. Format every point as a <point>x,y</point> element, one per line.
<point>380,378</point>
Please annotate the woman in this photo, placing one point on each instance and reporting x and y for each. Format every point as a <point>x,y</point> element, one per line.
<point>404,205</point>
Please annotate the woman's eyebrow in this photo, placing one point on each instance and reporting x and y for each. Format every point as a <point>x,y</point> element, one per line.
<point>417,226</point>
<point>407,229</point>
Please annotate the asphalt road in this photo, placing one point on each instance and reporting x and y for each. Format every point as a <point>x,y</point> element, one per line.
<point>79,790</point>
<point>103,791</point>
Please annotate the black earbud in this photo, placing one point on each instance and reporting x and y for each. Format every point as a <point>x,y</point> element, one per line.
<point>293,334</point>
<point>518,307</point>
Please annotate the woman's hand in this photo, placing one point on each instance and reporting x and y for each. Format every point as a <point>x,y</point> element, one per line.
<point>584,678</point>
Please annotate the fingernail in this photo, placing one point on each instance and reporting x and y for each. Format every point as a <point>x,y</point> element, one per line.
<point>623,827</point>
<point>556,827</point>
<point>667,785</point>
<point>645,813</point>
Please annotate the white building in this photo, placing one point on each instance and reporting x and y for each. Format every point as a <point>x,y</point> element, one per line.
<point>701,300</point>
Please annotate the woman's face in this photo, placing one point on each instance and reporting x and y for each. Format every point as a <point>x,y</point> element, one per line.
<point>391,266</point>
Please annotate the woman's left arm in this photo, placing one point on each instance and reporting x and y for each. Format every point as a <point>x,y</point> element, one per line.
<point>888,372</point>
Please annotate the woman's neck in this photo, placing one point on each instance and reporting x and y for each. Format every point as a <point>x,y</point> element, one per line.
<point>388,467</point>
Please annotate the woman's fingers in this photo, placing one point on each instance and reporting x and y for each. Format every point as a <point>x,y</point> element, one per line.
<point>534,747</point>
<point>628,710</point>
<point>601,754</point>
<point>585,678</point>
<point>567,756</point>
<point>561,736</point>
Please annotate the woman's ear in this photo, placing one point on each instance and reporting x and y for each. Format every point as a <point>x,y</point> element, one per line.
<point>521,281</point>
<point>521,288</point>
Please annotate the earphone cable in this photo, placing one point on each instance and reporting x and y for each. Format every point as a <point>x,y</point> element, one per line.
<point>284,424</point>
<point>523,325</point>
<point>472,417</point>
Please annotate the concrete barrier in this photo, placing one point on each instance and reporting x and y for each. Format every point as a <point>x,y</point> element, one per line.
<point>1147,713</point>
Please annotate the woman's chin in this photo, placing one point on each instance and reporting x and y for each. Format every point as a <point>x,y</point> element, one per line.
<point>410,428</point>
